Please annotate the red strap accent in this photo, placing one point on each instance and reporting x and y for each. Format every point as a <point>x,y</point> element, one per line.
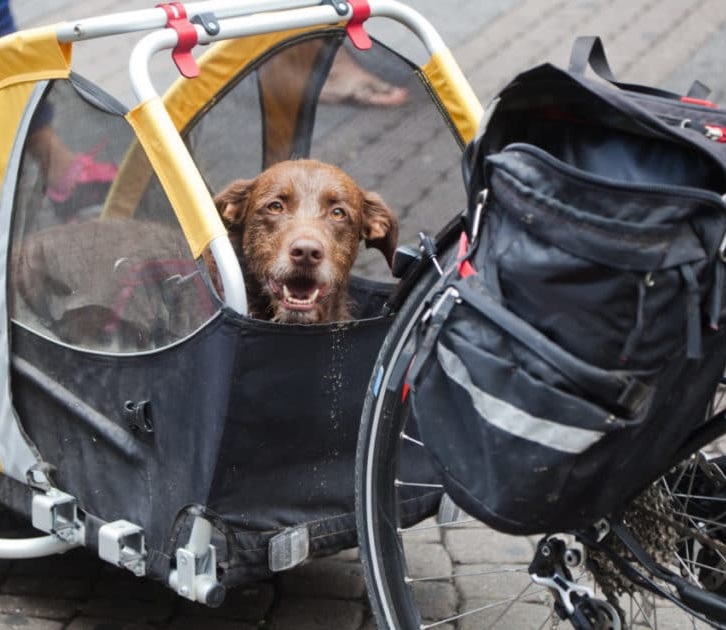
<point>465,267</point>
<point>716,133</point>
<point>176,18</point>
<point>355,30</point>
<point>697,101</point>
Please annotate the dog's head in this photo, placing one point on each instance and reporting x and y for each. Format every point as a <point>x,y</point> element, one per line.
<point>296,228</point>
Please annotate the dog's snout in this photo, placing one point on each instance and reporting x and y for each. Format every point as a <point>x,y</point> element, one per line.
<point>306,251</point>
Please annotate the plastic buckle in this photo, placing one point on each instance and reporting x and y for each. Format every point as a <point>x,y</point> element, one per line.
<point>354,28</point>
<point>176,18</point>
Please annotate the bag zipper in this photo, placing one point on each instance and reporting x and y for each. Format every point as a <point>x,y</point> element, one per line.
<point>663,190</point>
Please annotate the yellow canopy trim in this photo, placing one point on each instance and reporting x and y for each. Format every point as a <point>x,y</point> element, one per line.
<point>455,93</point>
<point>25,58</point>
<point>33,55</point>
<point>177,173</point>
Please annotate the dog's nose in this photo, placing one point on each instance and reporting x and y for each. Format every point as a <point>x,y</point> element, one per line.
<point>306,251</point>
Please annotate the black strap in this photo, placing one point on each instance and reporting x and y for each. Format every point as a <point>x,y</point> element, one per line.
<point>694,348</point>
<point>588,50</point>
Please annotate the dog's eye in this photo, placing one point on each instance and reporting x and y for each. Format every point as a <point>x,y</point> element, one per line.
<point>338,213</point>
<point>275,207</point>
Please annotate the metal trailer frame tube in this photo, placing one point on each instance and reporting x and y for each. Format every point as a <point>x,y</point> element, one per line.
<point>27,548</point>
<point>149,19</point>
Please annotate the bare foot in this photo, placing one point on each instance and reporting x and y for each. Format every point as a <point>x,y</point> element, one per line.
<point>349,82</point>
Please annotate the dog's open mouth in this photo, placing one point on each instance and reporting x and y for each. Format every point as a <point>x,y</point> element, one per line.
<point>298,294</point>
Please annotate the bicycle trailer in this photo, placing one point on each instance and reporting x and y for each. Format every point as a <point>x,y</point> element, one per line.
<point>141,415</point>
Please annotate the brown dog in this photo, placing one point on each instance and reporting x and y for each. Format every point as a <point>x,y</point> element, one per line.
<point>296,229</point>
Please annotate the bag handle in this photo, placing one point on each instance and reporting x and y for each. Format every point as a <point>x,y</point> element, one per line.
<point>588,50</point>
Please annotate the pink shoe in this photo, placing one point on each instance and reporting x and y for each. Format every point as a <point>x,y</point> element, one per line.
<point>84,183</point>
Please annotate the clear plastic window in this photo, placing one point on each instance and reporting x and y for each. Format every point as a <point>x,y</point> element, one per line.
<point>98,259</point>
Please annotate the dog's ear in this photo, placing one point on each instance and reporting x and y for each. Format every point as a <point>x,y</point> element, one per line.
<point>380,225</point>
<point>232,203</point>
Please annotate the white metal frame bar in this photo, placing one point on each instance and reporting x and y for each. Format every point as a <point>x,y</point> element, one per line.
<point>26,548</point>
<point>150,19</point>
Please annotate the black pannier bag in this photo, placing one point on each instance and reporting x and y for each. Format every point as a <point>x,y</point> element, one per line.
<point>574,351</point>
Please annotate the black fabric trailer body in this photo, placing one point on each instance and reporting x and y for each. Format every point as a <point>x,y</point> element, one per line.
<point>253,423</point>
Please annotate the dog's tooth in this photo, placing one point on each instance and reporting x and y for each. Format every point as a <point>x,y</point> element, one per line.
<point>286,292</point>
<point>314,296</point>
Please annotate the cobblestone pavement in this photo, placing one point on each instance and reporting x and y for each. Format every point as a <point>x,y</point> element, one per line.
<point>661,42</point>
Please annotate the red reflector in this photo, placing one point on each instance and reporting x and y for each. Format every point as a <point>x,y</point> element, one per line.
<point>404,392</point>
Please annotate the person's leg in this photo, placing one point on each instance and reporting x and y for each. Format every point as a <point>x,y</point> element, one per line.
<point>65,171</point>
<point>7,24</point>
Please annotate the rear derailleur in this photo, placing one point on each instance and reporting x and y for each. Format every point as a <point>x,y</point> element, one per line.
<point>573,602</point>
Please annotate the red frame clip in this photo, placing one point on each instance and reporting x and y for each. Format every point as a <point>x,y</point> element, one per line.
<point>354,28</point>
<point>176,18</point>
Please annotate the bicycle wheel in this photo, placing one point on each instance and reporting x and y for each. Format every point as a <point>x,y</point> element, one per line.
<point>452,571</point>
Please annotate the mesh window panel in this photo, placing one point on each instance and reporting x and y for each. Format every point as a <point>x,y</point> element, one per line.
<point>95,262</point>
<point>316,97</point>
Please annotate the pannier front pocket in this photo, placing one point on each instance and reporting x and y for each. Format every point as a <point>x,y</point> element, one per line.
<point>527,414</point>
<point>615,292</point>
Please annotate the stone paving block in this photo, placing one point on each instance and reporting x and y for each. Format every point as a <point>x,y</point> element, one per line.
<point>348,555</point>
<point>427,531</point>
<point>302,613</point>
<point>100,623</point>
<point>518,616</point>
<point>674,33</point>
<point>250,603</point>
<point>75,563</point>
<point>114,580</point>
<point>195,623</point>
<point>608,22</point>
<point>61,587</point>
<point>485,583</point>
<point>479,545</point>
<point>126,609</point>
<point>16,621</point>
<point>324,578</point>
<point>672,618</point>
<point>32,606</point>
<point>425,559</point>
<point>436,600</point>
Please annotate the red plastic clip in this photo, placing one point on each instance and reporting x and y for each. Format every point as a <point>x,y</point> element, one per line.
<point>176,18</point>
<point>354,29</point>
<point>697,101</point>
<point>466,269</point>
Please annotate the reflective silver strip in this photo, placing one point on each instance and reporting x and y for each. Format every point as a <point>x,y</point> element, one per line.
<point>511,419</point>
